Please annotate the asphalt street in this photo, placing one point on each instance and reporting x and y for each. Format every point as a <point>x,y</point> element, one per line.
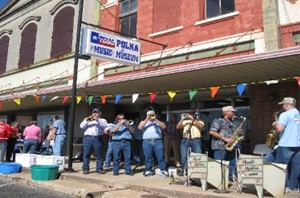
<point>15,190</point>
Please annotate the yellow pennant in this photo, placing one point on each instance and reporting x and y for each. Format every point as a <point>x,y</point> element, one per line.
<point>18,101</point>
<point>171,94</point>
<point>78,99</point>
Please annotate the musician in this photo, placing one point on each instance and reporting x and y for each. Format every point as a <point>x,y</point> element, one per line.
<point>190,137</point>
<point>152,143</point>
<point>222,130</point>
<point>288,150</point>
<point>93,127</point>
<point>121,142</point>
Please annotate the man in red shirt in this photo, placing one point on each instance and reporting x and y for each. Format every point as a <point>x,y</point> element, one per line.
<point>5,134</point>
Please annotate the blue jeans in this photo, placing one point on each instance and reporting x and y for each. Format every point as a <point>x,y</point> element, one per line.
<point>154,147</point>
<point>270,157</point>
<point>3,148</point>
<point>220,154</point>
<point>194,144</point>
<point>30,145</point>
<point>291,157</point>
<point>118,147</point>
<point>109,154</point>
<point>59,145</point>
<point>137,150</point>
<point>90,144</point>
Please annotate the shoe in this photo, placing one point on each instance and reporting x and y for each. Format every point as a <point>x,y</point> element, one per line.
<point>148,173</point>
<point>177,165</point>
<point>287,190</point>
<point>129,174</point>
<point>85,172</point>
<point>101,172</point>
<point>115,174</point>
<point>164,173</point>
<point>291,190</point>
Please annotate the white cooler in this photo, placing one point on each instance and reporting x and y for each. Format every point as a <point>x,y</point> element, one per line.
<point>26,160</point>
<point>51,160</point>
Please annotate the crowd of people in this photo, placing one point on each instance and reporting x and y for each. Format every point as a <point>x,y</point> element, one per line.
<point>32,139</point>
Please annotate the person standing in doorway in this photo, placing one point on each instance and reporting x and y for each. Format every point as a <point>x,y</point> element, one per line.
<point>12,141</point>
<point>172,141</point>
<point>59,134</point>
<point>93,127</point>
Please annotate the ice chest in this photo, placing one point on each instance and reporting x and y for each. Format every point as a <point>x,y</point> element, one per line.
<point>25,159</point>
<point>7,168</point>
<point>51,160</point>
<point>44,172</point>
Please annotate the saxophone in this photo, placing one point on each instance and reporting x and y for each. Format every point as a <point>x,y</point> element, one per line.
<point>273,136</point>
<point>237,138</point>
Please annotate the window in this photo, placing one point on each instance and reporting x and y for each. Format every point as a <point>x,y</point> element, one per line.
<point>218,7</point>
<point>166,14</point>
<point>4,42</point>
<point>62,34</point>
<point>128,17</point>
<point>27,49</point>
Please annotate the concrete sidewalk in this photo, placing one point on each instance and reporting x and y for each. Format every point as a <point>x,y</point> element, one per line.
<point>106,185</point>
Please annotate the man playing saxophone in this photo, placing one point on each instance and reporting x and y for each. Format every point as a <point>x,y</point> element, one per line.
<point>222,131</point>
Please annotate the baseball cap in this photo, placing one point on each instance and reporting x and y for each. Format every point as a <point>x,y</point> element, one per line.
<point>54,117</point>
<point>288,100</point>
<point>96,110</point>
<point>228,108</point>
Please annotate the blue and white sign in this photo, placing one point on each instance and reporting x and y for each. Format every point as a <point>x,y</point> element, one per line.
<point>110,47</point>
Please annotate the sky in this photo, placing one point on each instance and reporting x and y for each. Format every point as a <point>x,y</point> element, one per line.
<point>3,2</point>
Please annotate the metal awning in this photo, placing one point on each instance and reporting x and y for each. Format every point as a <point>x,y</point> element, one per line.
<point>254,68</point>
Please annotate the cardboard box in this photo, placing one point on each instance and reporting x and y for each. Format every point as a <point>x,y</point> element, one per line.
<point>25,159</point>
<point>51,160</point>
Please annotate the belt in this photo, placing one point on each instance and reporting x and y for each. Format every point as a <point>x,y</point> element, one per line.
<point>93,136</point>
<point>191,138</point>
<point>122,140</point>
<point>152,140</point>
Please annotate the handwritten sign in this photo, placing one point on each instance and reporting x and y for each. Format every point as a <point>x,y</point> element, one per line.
<point>197,165</point>
<point>250,169</point>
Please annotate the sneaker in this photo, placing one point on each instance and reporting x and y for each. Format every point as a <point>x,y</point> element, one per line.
<point>164,173</point>
<point>85,172</point>
<point>148,173</point>
<point>287,190</point>
<point>101,171</point>
<point>177,165</point>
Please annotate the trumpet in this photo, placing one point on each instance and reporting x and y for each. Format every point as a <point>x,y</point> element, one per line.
<point>90,118</point>
<point>184,116</point>
<point>129,122</point>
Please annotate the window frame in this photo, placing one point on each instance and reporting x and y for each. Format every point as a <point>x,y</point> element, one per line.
<point>130,15</point>
<point>219,8</point>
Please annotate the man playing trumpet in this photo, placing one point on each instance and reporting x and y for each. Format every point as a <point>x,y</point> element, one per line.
<point>190,137</point>
<point>121,142</point>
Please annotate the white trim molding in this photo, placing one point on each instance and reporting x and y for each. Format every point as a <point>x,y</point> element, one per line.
<point>168,31</point>
<point>214,19</point>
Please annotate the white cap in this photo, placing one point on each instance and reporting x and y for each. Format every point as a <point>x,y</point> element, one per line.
<point>228,108</point>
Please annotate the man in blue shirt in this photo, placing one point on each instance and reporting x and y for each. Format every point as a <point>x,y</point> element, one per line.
<point>152,143</point>
<point>121,141</point>
<point>60,136</point>
<point>288,150</point>
<point>93,127</point>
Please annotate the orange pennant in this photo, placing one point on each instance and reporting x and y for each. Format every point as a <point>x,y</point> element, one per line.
<point>214,91</point>
<point>37,98</point>
<point>103,98</point>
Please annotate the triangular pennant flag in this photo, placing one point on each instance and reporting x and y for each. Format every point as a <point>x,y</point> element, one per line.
<point>192,93</point>
<point>18,101</point>
<point>118,97</point>
<point>134,97</point>
<point>1,105</point>
<point>103,98</point>
<point>298,80</point>
<point>214,91</point>
<point>54,98</point>
<point>269,82</point>
<point>90,99</point>
<point>78,99</point>
<point>65,99</point>
<point>152,96</point>
<point>43,98</point>
<point>37,98</point>
<point>241,88</point>
<point>171,94</point>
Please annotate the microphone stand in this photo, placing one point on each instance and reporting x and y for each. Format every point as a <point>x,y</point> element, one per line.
<point>222,190</point>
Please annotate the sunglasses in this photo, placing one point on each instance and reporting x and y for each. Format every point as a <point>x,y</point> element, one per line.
<point>120,118</point>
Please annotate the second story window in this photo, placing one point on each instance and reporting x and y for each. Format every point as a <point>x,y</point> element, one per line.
<point>128,17</point>
<point>62,34</point>
<point>4,42</point>
<point>218,7</point>
<point>27,49</point>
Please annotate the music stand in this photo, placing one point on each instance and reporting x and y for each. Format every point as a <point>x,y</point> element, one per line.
<point>223,190</point>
